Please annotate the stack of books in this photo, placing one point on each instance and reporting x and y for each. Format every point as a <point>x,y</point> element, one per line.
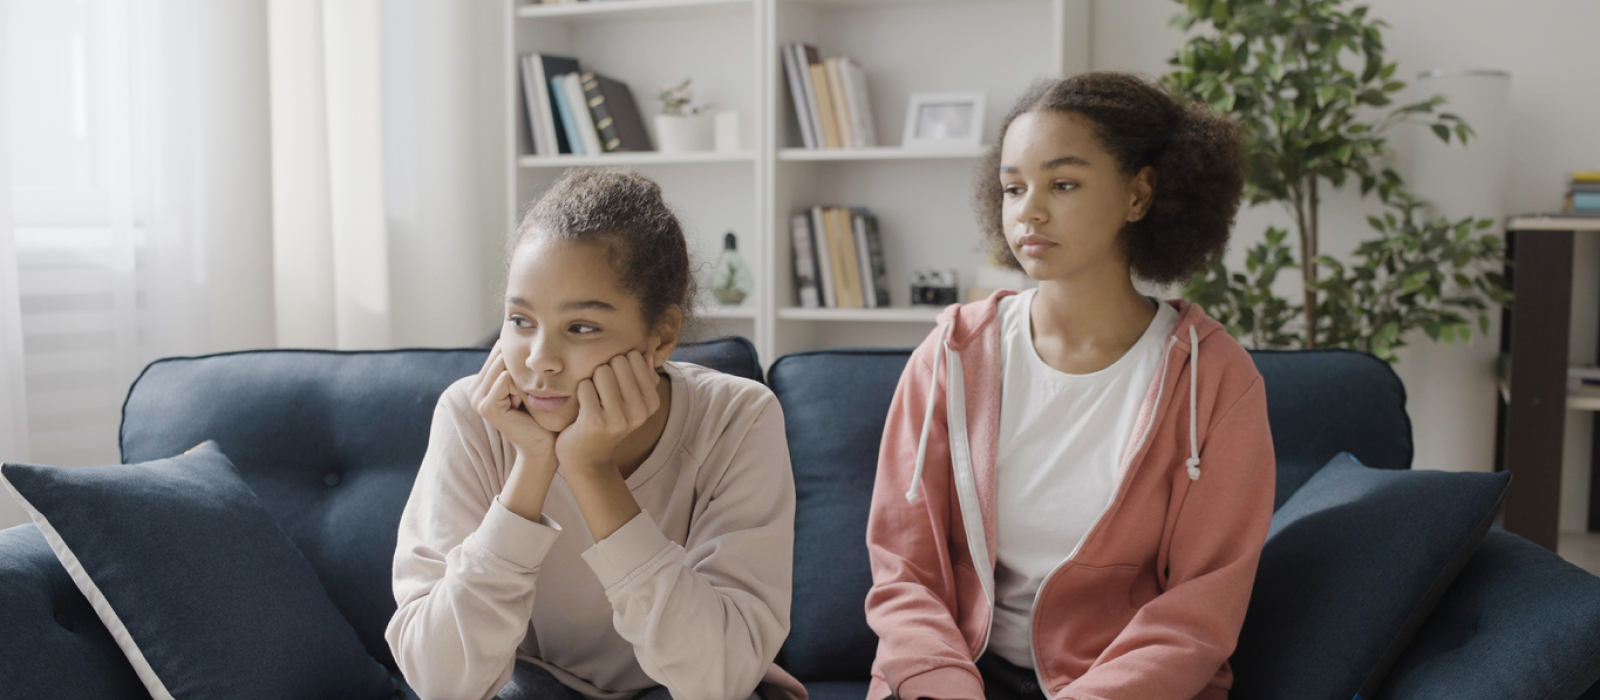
<point>577,112</point>
<point>838,259</point>
<point>830,99</point>
<point>1583,193</point>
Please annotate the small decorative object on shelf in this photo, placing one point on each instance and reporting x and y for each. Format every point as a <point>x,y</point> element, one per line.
<point>731,281</point>
<point>944,120</point>
<point>933,287</point>
<point>681,127</point>
<point>1583,193</point>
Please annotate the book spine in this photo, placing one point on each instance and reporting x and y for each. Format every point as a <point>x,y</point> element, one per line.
<point>610,140</point>
<point>830,130</point>
<point>861,127</point>
<point>880,268</point>
<point>824,252</point>
<point>858,235</point>
<point>797,92</point>
<point>580,114</point>
<point>841,107</point>
<point>811,57</point>
<point>530,97</point>
<point>1586,200</point>
<point>569,124</point>
<point>847,257</point>
<point>805,262</point>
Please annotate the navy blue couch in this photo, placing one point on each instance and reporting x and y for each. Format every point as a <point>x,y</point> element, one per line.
<point>331,442</point>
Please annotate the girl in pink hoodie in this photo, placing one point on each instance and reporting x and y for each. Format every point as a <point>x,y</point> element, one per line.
<point>1076,482</point>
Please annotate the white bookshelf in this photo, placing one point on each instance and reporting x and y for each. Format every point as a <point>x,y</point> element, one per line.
<point>731,50</point>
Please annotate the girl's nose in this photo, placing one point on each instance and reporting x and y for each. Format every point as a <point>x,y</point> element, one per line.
<point>543,356</point>
<point>1031,209</point>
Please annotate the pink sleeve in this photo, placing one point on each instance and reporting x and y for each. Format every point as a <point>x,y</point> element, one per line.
<point>1177,642</point>
<point>921,651</point>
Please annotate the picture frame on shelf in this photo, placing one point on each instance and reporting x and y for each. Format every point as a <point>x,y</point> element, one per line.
<point>944,119</point>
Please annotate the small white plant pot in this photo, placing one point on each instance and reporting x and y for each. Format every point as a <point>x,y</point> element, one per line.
<point>683,134</point>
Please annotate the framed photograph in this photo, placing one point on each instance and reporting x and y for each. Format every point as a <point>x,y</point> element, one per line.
<point>944,120</point>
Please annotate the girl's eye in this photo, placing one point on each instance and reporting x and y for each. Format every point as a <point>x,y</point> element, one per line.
<point>1012,190</point>
<point>521,322</point>
<point>583,329</point>
<point>1066,185</point>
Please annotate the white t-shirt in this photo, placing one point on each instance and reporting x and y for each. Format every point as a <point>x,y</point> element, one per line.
<point>1060,459</point>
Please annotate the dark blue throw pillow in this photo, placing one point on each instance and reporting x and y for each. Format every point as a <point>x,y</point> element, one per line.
<point>1353,564</point>
<point>203,592</point>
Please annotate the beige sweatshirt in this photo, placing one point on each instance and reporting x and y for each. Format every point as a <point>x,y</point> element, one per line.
<point>693,594</point>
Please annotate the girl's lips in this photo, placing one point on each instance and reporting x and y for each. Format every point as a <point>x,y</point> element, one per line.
<point>1034,250</point>
<point>553,403</point>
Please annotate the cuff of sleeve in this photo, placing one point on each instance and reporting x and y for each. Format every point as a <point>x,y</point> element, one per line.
<point>516,539</point>
<point>943,682</point>
<point>615,559</point>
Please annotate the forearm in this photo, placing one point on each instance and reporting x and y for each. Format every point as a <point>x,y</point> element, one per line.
<point>603,497</point>
<point>455,635</point>
<point>525,490</point>
<point>708,634</point>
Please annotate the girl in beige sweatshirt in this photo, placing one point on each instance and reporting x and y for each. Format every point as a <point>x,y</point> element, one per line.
<point>620,522</point>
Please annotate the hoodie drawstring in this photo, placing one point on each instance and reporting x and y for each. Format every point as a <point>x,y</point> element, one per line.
<point>1194,373</point>
<point>927,418</point>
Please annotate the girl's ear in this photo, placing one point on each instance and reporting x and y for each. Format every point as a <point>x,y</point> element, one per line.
<point>1144,189</point>
<point>665,338</point>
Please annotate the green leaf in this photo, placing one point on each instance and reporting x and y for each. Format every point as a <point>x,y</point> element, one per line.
<point>1443,132</point>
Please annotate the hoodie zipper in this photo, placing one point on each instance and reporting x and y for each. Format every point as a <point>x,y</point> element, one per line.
<point>1161,388</point>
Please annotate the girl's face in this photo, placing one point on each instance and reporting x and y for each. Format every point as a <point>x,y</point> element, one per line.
<point>1064,201</point>
<point>566,315</point>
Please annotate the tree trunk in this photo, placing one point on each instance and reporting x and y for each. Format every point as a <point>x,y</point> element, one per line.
<point>1308,260</point>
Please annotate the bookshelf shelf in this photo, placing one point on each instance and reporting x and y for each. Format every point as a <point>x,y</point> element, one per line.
<point>888,315</point>
<point>726,312</point>
<point>879,153</point>
<point>633,10</point>
<point>733,52</point>
<point>643,158</point>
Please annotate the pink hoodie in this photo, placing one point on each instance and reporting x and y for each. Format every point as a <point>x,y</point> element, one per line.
<point>1150,604</point>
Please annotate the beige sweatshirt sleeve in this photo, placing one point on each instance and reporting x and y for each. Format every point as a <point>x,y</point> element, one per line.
<point>706,619</point>
<point>465,567</point>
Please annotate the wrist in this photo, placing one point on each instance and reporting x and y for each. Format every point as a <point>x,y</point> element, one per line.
<point>589,468</point>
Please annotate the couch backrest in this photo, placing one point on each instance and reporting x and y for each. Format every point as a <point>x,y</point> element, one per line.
<point>1320,403</point>
<point>331,441</point>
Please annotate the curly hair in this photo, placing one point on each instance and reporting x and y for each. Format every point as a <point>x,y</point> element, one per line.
<point>623,210</point>
<point>1197,155</point>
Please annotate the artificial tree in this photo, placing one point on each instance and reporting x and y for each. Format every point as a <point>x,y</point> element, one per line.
<point>1308,82</point>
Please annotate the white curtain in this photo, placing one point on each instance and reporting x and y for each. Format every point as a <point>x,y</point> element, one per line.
<point>181,177</point>
<point>138,175</point>
<point>13,387</point>
<point>380,161</point>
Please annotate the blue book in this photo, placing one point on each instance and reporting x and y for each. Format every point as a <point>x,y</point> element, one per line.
<point>1586,200</point>
<point>568,123</point>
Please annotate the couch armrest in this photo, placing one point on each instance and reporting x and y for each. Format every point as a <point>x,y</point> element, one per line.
<point>53,645</point>
<point>1519,622</point>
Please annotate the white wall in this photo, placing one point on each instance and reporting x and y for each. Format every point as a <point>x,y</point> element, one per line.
<point>1549,49</point>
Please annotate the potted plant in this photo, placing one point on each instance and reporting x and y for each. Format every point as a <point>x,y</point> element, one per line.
<point>683,126</point>
<point>1279,67</point>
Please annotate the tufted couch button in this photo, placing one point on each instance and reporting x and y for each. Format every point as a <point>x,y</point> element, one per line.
<point>61,619</point>
<point>332,479</point>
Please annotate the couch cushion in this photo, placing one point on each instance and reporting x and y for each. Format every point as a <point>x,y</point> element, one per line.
<point>1353,564</point>
<point>53,645</point>
<point>729,355</point>
<point>204,594</point>
<point>1323,402</point>
<point>330,441</point>
<point>1519,622</point>
<point>834,406</point>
